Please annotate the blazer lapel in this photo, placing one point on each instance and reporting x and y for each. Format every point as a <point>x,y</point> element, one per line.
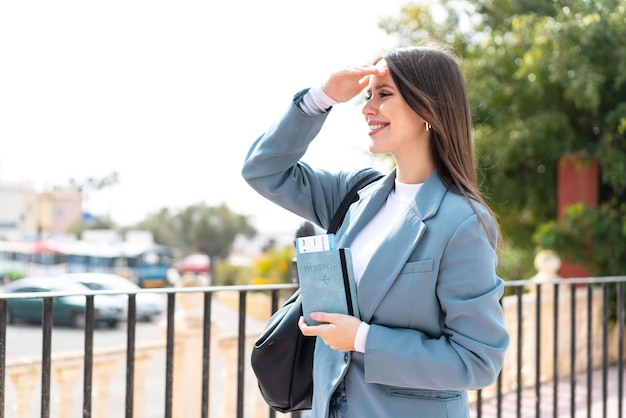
<point>371,199</point>
<point>390,258</point>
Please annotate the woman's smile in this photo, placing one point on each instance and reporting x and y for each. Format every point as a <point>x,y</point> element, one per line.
<point>376,127</point>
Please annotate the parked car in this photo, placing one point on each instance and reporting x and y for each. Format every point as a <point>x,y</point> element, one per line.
<point>193,263</point>
<point>148,306</point>
<point>66,310</point>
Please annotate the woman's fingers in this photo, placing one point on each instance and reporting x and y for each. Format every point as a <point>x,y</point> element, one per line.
<point>345,84</point>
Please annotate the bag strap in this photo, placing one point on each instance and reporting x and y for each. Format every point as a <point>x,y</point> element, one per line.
<point>351,197</point>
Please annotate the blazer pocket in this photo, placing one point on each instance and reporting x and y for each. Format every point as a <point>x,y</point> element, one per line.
<point>422,266</point>
<point>434,395</point>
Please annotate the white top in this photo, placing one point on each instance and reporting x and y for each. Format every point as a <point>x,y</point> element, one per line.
<point>378,228</point>
<point>373,236</point>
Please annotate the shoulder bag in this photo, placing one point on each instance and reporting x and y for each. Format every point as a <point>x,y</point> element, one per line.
<point>282,358</point>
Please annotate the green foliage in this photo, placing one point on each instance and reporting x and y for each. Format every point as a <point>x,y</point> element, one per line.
<point>94,184</point>
<point>516,263</point>
<point>274,266</point>
<point>545,79</point>
<point>228,274</point>
<point>10,275</point>
<point>594,237</point>
<point>198,228</point>
<point>163,228</point>
<point>211,230</point>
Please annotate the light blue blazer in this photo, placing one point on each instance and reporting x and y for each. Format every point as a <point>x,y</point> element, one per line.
<point>430,293</point>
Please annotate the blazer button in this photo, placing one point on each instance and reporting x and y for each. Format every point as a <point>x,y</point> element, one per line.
<point>345,357</point>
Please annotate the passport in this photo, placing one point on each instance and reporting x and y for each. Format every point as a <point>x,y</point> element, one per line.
<point>327,283</point>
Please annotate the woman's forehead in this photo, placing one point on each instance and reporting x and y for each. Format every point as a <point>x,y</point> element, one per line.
<point>379,80</point>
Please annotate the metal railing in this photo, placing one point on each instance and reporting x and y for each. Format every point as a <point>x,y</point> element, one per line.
<point>567,336</point>
<point>564,332</point>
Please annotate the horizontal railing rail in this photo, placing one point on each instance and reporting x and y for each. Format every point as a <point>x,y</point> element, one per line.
<point>566,352</point>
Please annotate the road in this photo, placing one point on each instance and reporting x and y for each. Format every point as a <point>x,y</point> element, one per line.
<point>25,340</point>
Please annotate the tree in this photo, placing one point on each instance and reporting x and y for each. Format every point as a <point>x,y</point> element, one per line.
<point>199,228</point>
<point>211,230</point>
<point>91,184</point>
<point>162,227</point>
<point>592,236</point>
<point>94,184</point>
<point>545,79</point>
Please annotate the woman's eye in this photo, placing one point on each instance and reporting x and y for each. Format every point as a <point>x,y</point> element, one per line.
<point>380,94</point>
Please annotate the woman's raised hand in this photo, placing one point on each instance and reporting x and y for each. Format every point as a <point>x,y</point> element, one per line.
<point>345,84</point>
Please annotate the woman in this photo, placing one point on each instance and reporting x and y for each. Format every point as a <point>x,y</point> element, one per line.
<point>423,241</point>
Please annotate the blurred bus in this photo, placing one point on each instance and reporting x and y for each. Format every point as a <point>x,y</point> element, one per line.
<point>145,264</point>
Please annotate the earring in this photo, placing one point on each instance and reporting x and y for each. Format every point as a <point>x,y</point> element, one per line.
<point>428,127</point>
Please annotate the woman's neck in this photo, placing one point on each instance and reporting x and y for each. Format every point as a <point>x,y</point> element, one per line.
<point>415,170</point>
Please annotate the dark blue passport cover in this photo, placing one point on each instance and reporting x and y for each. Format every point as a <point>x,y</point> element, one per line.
<point>327,283</point>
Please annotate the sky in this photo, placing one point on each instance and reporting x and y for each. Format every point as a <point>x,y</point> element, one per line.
<point>171,94</point>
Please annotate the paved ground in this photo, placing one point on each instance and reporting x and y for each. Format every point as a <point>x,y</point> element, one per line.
<point>564,408</point>
<point>529,400</point>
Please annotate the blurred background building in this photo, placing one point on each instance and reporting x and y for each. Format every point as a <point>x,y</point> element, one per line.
<point>27,214</point>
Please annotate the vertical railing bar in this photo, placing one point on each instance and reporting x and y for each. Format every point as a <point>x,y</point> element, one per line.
<point>206,353</point>
<point>555,354</point>
<point>169,354</point>
<point>620,349</point>
<point>241,352</point>
<point>3,339</point>
<point>499,385</point>
<point>518,389</point>
<point>131,324</point>
<point>274,306</point>
<point>538,352</point>
<point>605,347</point>
<point>295,414</point>
<point>46,356</point>
<point>572,357</point>
<point>589,347</point>
<point>275,299</point>
<point>88,358</point>
<point>499,396</point>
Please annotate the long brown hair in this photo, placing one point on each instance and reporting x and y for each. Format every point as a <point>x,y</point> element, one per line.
<point>430,80</point>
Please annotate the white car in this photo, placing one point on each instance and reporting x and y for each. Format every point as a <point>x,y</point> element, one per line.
<point>148,306</point>
<point>69,310</point>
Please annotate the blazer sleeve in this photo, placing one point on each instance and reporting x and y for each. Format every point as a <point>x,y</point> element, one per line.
<point>470,350</point>
<point>273,168</point>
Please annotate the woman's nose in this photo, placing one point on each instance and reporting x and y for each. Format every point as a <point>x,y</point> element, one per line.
<point>369,109</point>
